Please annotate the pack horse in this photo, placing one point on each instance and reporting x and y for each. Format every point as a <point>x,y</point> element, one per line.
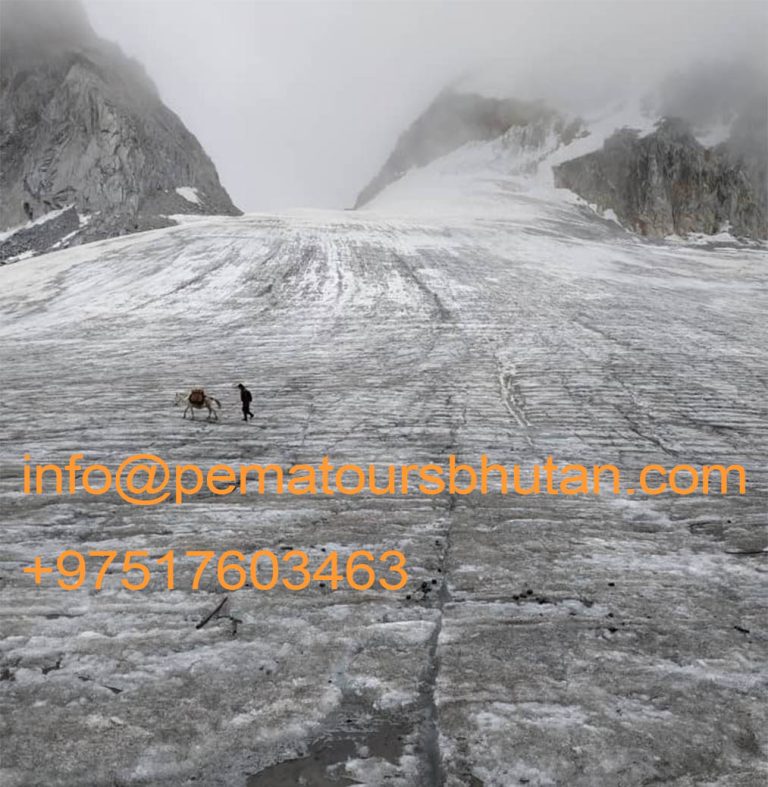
<point>197,399</point>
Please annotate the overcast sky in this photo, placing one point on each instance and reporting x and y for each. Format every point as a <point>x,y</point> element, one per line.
<point>299,103</point>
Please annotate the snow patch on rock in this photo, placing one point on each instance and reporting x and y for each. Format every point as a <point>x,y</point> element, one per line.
<point>189,193</point>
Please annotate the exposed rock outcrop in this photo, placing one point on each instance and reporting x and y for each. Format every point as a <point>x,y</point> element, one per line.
<point>83,126</point>
<point>53,232</point>
<point>667,182</point>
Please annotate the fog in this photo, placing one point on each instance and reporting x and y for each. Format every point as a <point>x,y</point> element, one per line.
<point>299,103</point>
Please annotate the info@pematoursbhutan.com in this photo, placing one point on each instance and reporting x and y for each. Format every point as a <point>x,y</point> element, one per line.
<point>146,479</point>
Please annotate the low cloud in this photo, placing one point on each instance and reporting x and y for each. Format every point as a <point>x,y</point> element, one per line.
<point>299,103</point>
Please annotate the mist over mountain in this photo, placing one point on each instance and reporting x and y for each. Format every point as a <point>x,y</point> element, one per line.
<point>88,148</point>
<point>453,119</point>
<point>689,156</point>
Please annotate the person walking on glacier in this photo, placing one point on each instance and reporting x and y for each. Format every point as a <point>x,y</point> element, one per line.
<point>245,399</point>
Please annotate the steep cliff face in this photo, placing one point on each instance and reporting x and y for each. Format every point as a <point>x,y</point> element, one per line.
<point>453,119</point>
<point>668,182</point>
<point>82,127</point>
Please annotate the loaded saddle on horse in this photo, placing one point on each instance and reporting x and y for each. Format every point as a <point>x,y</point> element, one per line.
<point>197,399</point>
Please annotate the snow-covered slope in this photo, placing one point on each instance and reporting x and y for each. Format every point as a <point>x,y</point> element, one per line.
<point>681,159</point>
<point>581,641</point>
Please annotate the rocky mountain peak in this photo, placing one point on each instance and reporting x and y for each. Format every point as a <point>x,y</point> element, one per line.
<point>88,148</point>
<point>667,182</point>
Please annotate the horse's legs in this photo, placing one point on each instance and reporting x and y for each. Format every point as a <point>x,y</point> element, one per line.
<point>184,414</point>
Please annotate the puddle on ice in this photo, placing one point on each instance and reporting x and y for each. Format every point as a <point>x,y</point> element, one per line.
<point>323,765</point>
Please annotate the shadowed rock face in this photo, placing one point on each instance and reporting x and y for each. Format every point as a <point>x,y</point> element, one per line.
<point>667,182</point>
<point>452,120</point>
<point>83,125</point>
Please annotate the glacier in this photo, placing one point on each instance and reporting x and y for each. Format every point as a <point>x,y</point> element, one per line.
<point>468,309</point>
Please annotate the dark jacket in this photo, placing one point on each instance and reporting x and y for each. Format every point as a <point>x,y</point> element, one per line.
<point>245,396</point>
